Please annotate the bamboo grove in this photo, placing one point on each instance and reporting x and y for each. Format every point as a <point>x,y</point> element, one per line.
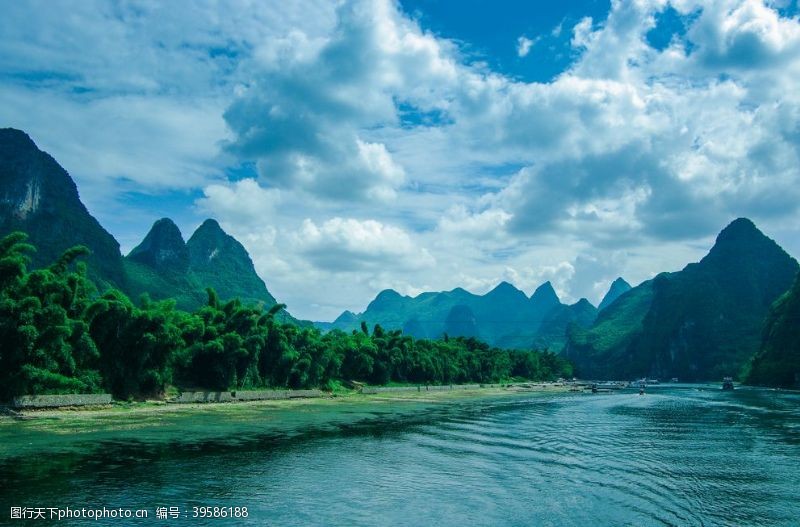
<point>58,334</point>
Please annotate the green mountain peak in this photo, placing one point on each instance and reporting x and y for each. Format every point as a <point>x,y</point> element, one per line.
<point>545,294</point>
<point>506,291</point>
<point>218,260</point>
<point>618,288</point>
<point>347,317</point>
<point>163,248</point>
<point>741,240</point>
<point>38,197</point>
<point>583,303</point>
<point>700,323</point>
<point>386,300</point>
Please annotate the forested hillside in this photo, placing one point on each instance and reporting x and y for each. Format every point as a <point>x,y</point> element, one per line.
<point>778,361</point>
<point>39,198</point>
<point>703,322</point>
<point>164,266</point>
<point>60,335</point>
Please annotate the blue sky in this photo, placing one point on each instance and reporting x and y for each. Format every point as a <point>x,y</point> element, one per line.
<point>354,145</point>
<point>490,32</point>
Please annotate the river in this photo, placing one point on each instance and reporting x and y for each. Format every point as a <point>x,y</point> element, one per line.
<point>678,455</point>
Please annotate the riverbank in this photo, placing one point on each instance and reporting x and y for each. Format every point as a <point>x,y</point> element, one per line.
<point>156,422</point>
<point>377,394</point>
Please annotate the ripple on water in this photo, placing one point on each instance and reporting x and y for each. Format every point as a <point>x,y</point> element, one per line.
<point>675,457</point>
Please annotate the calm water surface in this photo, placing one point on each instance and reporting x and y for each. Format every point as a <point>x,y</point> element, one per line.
<point>676,456</point>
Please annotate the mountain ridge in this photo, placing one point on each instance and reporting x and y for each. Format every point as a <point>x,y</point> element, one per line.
<point>618,288</point>
<point>210,258</point>
<point>504,316</point>
<point>38,197</point>
<point>163,248</point>
<point>700,323</point>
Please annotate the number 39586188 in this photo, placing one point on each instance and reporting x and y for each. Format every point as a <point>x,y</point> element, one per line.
<point>219,512</point>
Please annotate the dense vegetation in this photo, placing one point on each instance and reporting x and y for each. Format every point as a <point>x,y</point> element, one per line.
<point>778,361</point>
<point>166,267</point>
<point>59,335</point>
<point>38,197</point>
<point>701,323</point>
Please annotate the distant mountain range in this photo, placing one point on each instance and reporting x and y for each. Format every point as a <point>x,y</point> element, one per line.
<point>703,322</point>
<point>734,312</point>
<point>503,317</point>
<point>37,196</point>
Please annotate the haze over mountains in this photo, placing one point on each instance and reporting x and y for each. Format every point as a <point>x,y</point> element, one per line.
<point>703,322</point>
<point>503,317</point>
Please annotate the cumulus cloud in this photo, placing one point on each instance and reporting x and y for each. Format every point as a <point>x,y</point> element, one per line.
<point>243,202</point>
<point>306,113</point>
<point>524,45</point>
<point>743,36</point>
<point>631,146</point>
<point>457,220</point>
<point>380,147</point>
<point>668,144</point>
<point>130,97</point>
<point>347,244</point>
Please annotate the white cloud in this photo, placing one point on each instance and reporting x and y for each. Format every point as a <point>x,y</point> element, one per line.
<point>745,35</point>
<point>306,113</point>
<point>524,45</point>
<point>377,161</point>
<point>244,202</point>
<point>377,144</point>
<point>347,244</point>
<point>581,33</point>
<point>484,225</point>
<point>619,146</point>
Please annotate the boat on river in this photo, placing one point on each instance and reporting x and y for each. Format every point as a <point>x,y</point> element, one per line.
<point>727,383</point>
<point>607,386</point>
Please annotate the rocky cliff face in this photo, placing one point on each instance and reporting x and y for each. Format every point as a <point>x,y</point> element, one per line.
<point>38,197</point>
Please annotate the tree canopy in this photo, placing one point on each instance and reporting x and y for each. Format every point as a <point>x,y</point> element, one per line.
<point>60,335</point>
